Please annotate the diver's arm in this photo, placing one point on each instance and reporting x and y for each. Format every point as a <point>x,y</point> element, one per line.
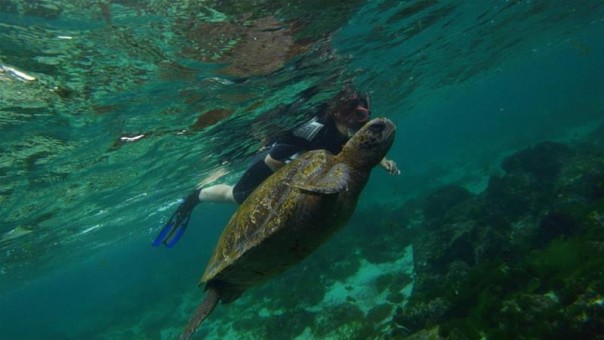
<point>281,153</point>
<point>273,163</point>
<point>390,166</point>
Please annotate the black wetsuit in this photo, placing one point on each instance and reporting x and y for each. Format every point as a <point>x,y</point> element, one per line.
<point>318,133</point>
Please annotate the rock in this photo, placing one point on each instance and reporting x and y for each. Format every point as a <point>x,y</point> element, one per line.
<point>544,160</point>
<point>553,225</point>
<point>597,137</point>
<point>532,315</point>
<point>581,181</point>
<point>443,199</point>
<point>379,313</point>
<point>419,315</point>
<point>427,334</point>
<point>482,265</point>
<point>512,196</point>
<point>586,316</point>
<point>435,250</point>
<point>288,325</point>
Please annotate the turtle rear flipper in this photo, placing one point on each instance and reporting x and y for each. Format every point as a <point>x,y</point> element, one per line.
<point>201,312</point>
<point>335,181</point>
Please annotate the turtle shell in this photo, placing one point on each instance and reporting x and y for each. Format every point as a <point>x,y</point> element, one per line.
<point>277,218</point>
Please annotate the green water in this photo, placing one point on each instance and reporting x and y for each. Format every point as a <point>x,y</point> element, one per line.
<point>110,112</point>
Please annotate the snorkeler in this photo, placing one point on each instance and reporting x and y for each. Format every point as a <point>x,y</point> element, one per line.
<point>330,129</point>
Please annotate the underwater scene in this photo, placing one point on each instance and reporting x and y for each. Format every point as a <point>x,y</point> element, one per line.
<point>113,111</point>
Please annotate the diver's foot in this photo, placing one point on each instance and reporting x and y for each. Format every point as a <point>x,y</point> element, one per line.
<point>178,222</point>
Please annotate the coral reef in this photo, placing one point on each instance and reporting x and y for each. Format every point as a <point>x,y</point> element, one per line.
<point>521,260</point>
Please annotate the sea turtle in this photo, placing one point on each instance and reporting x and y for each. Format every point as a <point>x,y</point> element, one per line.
<point>289,215</point>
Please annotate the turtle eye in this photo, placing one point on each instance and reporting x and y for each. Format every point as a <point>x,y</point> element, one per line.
<point>377,127</point>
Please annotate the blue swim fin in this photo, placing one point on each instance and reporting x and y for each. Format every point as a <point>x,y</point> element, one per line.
<point>167,229</point>
<point>178,222</point>
<point>173,230</point>
<point>176,233</point>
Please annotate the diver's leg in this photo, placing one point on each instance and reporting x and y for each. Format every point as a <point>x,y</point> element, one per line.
<point>251,179</point>
<point>179,221</point>
<point>217,193</point>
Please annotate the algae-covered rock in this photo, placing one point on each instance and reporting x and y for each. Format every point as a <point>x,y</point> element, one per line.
<point>536,314</point>
<point>544,160</point>
<point>555,224</point>
<point>419,315</point>
<point>585,316</point>
<point>521,260</point>
<point>379,313</point>
<point>513,196</point>
<point>443,199</point>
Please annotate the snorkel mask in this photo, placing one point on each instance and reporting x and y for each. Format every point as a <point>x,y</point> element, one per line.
<point>358,115</point>
<point>353,110</point>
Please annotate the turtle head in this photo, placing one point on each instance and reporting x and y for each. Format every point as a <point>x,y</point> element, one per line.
<point>369,145</point>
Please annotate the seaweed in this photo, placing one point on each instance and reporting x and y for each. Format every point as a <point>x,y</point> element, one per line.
<point>524,262</point>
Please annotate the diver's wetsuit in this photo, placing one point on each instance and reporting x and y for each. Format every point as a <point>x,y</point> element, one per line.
<point>318,133</point>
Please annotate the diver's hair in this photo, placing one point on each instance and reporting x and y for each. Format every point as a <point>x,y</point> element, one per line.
<point>348,99</point>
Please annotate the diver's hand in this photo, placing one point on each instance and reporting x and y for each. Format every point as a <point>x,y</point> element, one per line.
<point>390,166</point>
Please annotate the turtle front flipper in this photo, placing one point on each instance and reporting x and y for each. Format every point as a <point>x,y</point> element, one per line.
<point>201,312</point>
<point>333,182</point>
